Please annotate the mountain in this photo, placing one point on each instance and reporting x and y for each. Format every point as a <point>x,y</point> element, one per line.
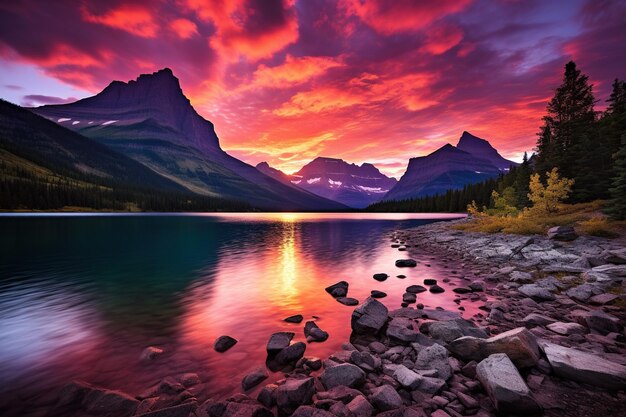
<point>350,184</point>
<point>151,121</point>
<point>449,168</point>
<point>46,166</point>
<point>481,148</point>
<point>277,174</point>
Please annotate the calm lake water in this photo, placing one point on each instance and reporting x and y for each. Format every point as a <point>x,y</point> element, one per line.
<point>81,296</point>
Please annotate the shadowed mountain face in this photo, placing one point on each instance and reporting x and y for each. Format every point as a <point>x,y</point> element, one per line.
<point>448,168</point>
<point>150,120</point>
<point>353,185</point>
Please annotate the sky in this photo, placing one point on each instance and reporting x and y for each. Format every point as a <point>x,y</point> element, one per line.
<point>285,81</point>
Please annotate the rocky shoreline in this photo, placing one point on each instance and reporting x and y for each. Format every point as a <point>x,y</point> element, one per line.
<point>549,340</point>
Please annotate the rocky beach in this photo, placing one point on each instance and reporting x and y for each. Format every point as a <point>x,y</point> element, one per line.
<point>547,339</point>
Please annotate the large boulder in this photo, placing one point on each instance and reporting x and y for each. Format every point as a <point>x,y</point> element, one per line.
<point>279,341</point>
<point>505,386</point>
<point>294,393</point>
<point>434,357</point>
<point>343,374</point>
<point>519,344</point>
<point>562,233</point>
<point>370,317</point>
<point>585,367</point>
<point>291,353</point>
<point>339,289</point>
<point>386,398</point>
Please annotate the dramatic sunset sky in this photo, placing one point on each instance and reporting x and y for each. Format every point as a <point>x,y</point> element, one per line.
<point>286,81</point>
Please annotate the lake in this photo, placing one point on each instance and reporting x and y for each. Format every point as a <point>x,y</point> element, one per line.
<point>81,296</point>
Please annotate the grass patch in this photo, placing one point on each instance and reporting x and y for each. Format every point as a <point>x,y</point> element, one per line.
<point>598,226</point>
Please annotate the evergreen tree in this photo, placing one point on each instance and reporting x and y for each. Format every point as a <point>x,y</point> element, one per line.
<point>522,179</point>
<point>617,204</point>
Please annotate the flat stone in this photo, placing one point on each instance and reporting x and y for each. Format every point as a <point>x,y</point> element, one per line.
<point>295,319</point>
<point>343,374</point>
<point>398,331</point>
<point>585,367</point>
<point>406,263</point>
<point>378,294</point>
<point>477,286</point>
<point>365,360</point>
<point>462,290</point>
<point>436,289</point>
<point>348,301</point>
<point>566,329</point>
<point>449,330</point>
<point>406,377</point>
<point>597,320</point>
<point>385,398</point>
<point>370,317</point>
<point>520,277</point>
<point>294,393</point>
<point>519,344</point>
<point>430,281</point>
<point>536,292</point>
<point>602,299</point>
<point>254,378</point>
<point>535,319</point>
<point>415,289</point>
<point>339,289</point>
<point>562,233</point>
<point>223,343</point>
<point>505,386</point>
<point>279,341</point>
<point>581,292</point>
<point>611,270</point>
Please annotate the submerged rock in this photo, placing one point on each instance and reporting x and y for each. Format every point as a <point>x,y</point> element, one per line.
<point>223,343</point>
<point>150,353</point>
<point>505,386</point>
<point>370,317</point>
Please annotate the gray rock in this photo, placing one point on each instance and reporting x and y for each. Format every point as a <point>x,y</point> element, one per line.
<point>370,317</point>
<point>291,353</point>
<point>365,361</point>
<point>566,329</point>
<point>399,331</point>
<point>449,330</point>
<point>406,377</point>
<point>611,270</point>
<point>267,395</point>
<point>313,333</point>
<point>360,407</point>
<point>279,341</point>
<point>431,385</point>
<point>617,256</point>
<point>415,289</point>
<point>477,286</point>
<point>505,386</point>
<point>406,263</point>
<point>520,277</point>
<point>339,289</point>
<point>536,292</point>
<point>339,393</point>
<point>294,393</point>
<point>562,233</point>
<point>408,297</point>
<point>535,319</point>
<point>223,343</point>
<point>597,320</point>
<point>254,378</point>
<point>96,400</point>
<point>602,299</point>
<point>582,292</point>
<point>385,398</point>
<point>434,357</point>
<point>585,367</point>
<point>519,344</point>
<point>343,374</point>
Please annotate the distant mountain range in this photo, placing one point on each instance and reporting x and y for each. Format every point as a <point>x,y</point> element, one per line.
<point>350,184</point>
<point>145,134</point>
<point>151,121</point>
<point>472,160</point>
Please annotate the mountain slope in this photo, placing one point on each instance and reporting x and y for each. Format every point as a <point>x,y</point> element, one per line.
<point>481,148</point>
<point>150,120</point>
<point>350,184</point>
<point>445,169</point>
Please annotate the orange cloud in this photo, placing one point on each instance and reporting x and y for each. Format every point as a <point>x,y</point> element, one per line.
<point>184,28</point>
<point>441,39</point>
<point>390,17</point>
<point>294,70</point>
<point>130,18</point>
<point>317,101</point>
<point>251,28</point>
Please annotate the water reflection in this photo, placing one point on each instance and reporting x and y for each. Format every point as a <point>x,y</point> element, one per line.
<point>81,297</point>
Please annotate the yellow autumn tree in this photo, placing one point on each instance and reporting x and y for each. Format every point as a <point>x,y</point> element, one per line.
<point>548,198</point>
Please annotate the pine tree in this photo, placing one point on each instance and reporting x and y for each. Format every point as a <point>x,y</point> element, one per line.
<point>617,204</point>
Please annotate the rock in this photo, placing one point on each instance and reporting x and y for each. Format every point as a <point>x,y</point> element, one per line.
<point>566,329</point>
<point>360,407</point>
<point>380,277</point>
<point>295,319</point>
<point>415,289</point>
<point>467,401</point>
<point>370,317</point>
<point>254,378</point>
<point>436,289</point>
<point>504,385</point>
<point>449,330</point>
<point>477,286</point>
<point>291,353</point>
<point>150,353</point>
<point>181,410</point>
<point>602,299</point>
<point>308,411</point>
<point>398,330</point>
<point>267,395</point>
<point>582,292</point>
<point>365,360</point>
<point>378,294</point>
<point>520,277</point>
<point>430,385</point>
<point>279,341</point>
<point>292,394</point>
<point>535,319</point>
<point>406,263</point>
<point>189,379</point>
<point>462,290</point>
<point>597,320</point>
<point>434,357</point>
<point>385,398</point>
<point>343,374</point>
<point>339,289</point>
<point>312,363</point>
<point>519,344</point>
<point>536,292</point>
<point>348,301</point>
<point>339,393</point>
<point>611,270</point>
<point>562,233</point>
<point>430,281</point>
<point>439,413</point>
<point>585,367</point>
<point>223,343</point>
<point>313,333</point>
<point>96,400</point>
<point>236,409</point>
<point>406,377</point>
<point>616,256</point>
<point>409,298</point>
